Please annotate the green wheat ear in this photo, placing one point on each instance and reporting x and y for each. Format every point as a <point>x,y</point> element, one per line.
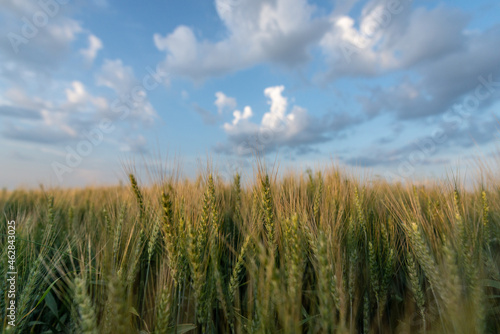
<point>326,281</point>
<point>318,196</point>
<point>215,221</point>
<point>360,212</point>
<point>424,256</point>
<point>118,316</point>
<point>238,269</point>
<point>416,288</point>
<point>71,215</point>
<point>107,221</point>
<point>267,206</point>
<point>51,214</point>
<point>135,260</point>
<point>486,227</point>
<point>88,324</point>
<point>118,234</point>
<point>171,238</point>
<point>164,311</point>
<point>138,196</point>
<point>374,271</point>
<point>366,313</point>
<point>237,193</point>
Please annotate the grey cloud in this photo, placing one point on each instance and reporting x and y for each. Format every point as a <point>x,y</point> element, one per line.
<point>389,40</point>
<point>305,149</point>
<point>43,52</point>
<point>442,82</point>
<point>390,159</point>
<point>317,131</point>
<point>426,36</point>
<point>292,49</point>
<point>340,121</point>
<point>453,137</point>
<point>476,130</point>
<point>19,112</point>
<point>39,134</point>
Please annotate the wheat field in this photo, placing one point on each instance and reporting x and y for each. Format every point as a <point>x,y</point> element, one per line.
<point>312,252</point>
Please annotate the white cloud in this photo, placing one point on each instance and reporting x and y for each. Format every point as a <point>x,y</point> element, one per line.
<point>117,76</point>
<point>65,31</point>
<point>17,96</point>
<point>279,31</point>
<point>238,116</point>
<point>77,93</point>
<point>278,104</point>
<point>58,119</point>
<point>224,102</point>
<point>95,44</point>
<point>277,128</point>
<point>385,39</point>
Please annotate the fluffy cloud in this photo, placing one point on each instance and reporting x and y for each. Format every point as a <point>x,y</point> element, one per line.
<point>223,102</point>
<point>77,98</point>
<point>281,127</point>
<point>117,76</point>
<point>95,44</point>
<point>390,37</point>
<point>238,118</point>
<point>279,31</point>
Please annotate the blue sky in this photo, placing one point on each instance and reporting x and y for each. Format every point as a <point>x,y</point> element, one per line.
<point>401,89</point>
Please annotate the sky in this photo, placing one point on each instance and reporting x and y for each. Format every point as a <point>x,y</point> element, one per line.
<point>399,89</point>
